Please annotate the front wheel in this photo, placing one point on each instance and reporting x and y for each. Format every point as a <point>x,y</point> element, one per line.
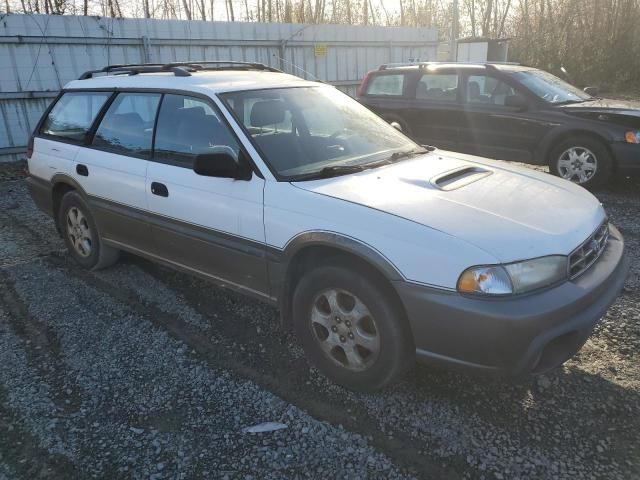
<point>581,160</point>
<point>351,329</point>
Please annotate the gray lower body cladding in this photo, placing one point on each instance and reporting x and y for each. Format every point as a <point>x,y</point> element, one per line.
<point>529,333</point>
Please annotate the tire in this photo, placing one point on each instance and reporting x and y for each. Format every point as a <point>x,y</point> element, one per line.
<point>81,235</point>
<point>363,322</point>
<point>587,153</point>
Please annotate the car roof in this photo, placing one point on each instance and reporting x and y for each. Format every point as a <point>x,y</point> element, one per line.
<point>207,82</point>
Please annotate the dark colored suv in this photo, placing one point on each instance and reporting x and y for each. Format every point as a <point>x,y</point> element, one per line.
<point>509,112</point>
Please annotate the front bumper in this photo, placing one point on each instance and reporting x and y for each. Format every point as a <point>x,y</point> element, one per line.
<point>627,157</point>
<point>522,334</point>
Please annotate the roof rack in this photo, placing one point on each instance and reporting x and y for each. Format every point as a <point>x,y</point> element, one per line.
<point>388,66</point>
<point>179,69</point>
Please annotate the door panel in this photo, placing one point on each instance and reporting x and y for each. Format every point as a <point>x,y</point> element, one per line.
<point>436,113</point>
<point>211,224</point>
<point>116,186</point>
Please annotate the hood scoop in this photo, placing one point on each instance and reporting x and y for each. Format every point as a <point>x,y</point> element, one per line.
<point>460,177</point>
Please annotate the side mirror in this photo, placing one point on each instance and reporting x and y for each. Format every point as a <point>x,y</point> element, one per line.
<point>221,164</point>
<point>516,101</point>
<point>593,91</point>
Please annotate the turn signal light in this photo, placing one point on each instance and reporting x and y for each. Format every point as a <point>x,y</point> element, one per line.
<point>632,137</point>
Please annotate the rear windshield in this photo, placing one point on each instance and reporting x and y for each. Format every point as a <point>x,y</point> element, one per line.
<point>72,116</point>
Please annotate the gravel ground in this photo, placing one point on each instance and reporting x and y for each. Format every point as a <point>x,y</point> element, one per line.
<point>141,372</point>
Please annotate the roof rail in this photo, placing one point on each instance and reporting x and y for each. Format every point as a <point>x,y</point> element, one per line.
<point>388,66</point>
<point>179,69</point>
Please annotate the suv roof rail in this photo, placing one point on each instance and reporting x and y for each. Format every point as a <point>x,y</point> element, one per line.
<point>179,69</point>
<point>388,66</point>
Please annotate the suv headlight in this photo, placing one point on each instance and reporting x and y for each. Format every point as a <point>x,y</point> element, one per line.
<point>513,278</point>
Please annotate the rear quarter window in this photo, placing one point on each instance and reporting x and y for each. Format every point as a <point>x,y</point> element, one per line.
<point>71,117</point>
<point>387,85</point>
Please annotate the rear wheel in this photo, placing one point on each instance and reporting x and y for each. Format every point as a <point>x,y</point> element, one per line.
<point>81,234</point>
<point>350,328</point>
<point>581,160</point>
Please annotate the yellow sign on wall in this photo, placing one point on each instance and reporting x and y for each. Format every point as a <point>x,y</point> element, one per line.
<point>320,49</point>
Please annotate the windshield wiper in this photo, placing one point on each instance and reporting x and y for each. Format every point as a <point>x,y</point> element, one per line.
<point>328,172</point>
<point>337,170</point>
<point>408,153</point>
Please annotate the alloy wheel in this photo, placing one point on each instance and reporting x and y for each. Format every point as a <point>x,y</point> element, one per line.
<point>345,329</point>
<point>577,164</point>
<point>79,232</point>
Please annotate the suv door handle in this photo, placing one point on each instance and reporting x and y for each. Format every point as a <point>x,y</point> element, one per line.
<point>82,170</point>
<point>159,189</point>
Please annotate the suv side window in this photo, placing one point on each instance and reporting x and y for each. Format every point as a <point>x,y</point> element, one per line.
<point>440,87</point>
<point>71,117</point>
<point>484,89</point>
<point>189,126</point>
<point>127,127</point>
<point>389,84</point>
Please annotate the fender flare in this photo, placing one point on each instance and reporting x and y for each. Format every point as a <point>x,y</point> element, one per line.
<point>345,243</point>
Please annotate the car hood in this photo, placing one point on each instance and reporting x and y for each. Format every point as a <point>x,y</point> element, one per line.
<point>511,212</point>
<point>604,105</point>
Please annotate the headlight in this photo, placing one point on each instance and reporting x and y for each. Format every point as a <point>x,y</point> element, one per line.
<point>519,277</point>
<point>632,137</point>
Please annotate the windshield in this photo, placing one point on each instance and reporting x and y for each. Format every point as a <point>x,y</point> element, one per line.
<point>307,130</point>
<point>549,87</point>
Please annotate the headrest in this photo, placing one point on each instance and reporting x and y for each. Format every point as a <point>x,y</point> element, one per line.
<point>267,112</point>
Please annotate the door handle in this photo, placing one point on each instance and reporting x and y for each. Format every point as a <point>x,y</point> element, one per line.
<point>82,170</point>
<point>159,189</point>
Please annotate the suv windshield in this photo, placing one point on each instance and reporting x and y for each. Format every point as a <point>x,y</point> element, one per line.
<point>549,87</point>
<point>310,132</point>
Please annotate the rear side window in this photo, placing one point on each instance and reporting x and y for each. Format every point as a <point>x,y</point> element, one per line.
<point>189,126</point>
<point>386,85</point>
<point>127,127</point>
<point>440,87</point>
<point>72,116</point>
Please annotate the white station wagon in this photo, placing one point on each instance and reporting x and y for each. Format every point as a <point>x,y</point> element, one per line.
<point>376,250</point>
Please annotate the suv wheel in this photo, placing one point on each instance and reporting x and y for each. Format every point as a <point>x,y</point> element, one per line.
<point>581,160</point>
<point>81,235</point>
<point>350,328</point>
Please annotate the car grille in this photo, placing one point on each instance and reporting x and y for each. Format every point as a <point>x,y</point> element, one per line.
<point>586,254</point>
